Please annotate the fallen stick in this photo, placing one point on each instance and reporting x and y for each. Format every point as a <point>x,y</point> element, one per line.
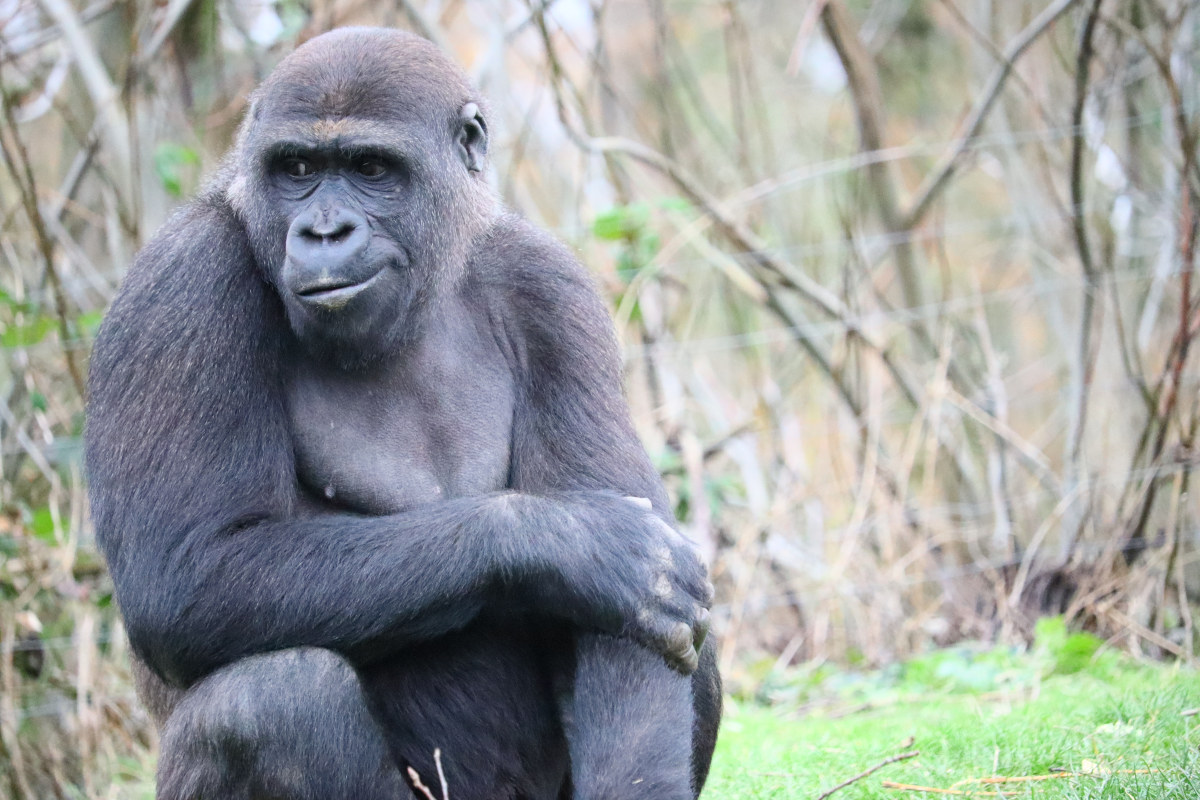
<point>876,768</point>
<point>910,787</point>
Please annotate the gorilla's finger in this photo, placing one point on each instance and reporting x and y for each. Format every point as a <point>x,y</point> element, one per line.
<point>700,629</point>
<point>687,663</point>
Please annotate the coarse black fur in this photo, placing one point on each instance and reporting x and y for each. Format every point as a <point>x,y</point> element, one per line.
<point>365,479</point>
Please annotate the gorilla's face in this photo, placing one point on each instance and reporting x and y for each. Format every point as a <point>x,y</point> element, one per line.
<point>353,275</point>
<point>359,188</point>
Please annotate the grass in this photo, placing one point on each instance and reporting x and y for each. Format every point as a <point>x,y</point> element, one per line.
<point>1087,725</point>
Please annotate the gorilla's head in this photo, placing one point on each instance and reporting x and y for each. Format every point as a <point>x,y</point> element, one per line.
<point>359,178</point>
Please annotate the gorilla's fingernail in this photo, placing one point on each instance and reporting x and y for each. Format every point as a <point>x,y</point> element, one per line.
<point>703,622</point>
<point>680,639</point>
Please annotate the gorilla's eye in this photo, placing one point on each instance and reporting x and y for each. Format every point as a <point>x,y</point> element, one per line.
<point>371,168</point>
<point>298,167</point>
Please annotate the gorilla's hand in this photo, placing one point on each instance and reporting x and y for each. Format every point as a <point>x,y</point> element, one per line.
<point>621,568</point>
<point>681,576</point>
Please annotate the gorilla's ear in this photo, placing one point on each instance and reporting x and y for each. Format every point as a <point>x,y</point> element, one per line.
<point>472,137</point>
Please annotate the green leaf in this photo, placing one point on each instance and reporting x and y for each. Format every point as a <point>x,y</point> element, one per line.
<point>608,225</point>
<point>37,400</point>
<point>6,299</point>
<point>172,161</point>
<point>622,222</point>
<point>648,247</point>
<point>89,323</point>
<point>627,266</point>
<point>1049,632</point>
<point>675,204</point>
<point>42,525</point>
<point>28,334</point>
<point>1076,653</point>
<point>1068,652</point>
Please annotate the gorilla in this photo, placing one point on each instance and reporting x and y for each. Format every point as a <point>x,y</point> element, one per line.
<point>365,479</point>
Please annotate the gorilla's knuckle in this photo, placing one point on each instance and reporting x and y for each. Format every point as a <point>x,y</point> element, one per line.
<point>680,638</point>
<point>640,502</point>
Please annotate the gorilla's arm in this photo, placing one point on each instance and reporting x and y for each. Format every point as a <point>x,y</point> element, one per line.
<point>194,492</point>
<point>573,432</point>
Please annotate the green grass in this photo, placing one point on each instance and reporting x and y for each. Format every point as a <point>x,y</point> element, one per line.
<point>971,713</point>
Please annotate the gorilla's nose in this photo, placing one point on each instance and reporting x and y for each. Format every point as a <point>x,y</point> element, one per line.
<point>327,253</point>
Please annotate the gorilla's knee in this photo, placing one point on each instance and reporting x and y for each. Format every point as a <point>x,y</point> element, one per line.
<point>292,724</point>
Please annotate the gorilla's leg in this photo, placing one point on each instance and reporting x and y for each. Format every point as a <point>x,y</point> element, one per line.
<point>629,723</point>
<point>292,725</point>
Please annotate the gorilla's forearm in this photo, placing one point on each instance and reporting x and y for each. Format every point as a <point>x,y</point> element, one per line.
<point>369,586</point>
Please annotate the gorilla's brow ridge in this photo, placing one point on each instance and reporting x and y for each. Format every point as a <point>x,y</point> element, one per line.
<point>342,134</point>
<point>347,149</point>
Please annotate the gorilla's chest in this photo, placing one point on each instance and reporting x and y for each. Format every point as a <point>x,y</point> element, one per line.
<point>435,425</point>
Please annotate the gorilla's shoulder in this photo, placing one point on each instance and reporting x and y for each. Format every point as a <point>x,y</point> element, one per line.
<point>529,265</point>
<point>206,225</point>
<point>196,274</point>
<point>549,306</point>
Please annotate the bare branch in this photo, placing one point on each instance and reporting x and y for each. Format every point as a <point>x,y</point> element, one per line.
<point>16,159</point>
<point>936,181</point>
<point>1085,356</point>
<point>865,773</point>
<point>863,82</point>
<point>99,85</point>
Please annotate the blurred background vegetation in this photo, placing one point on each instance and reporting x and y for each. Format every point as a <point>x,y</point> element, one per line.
<point>904,287</point>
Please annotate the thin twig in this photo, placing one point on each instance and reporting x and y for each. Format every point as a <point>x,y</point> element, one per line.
<point>996,780</point>
<point>426,26</point>
<point>16,159</point>
<point>174,13</point>
<point>19,45</point>
<point>1000,780</point>
<point>863,82</point>
<point>1166,389</point>
<point>1035,459</point>
<point>1085,356</point>
<point>744,239</point>
<point>912,787</point>
<point>937,178</point>
<point>865,773</point>
<point>437,759</point>
<point>104,94</point>
<point>415,777</point>
<point>1142,632</point>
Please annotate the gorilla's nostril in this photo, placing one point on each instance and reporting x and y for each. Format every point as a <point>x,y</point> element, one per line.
<point>341,234</point>
<point>333,234</point>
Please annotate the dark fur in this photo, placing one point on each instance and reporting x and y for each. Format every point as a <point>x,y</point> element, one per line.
<point>455,561</point>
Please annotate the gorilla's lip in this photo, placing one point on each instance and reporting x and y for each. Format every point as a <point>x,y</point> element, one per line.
<point>332,295</point>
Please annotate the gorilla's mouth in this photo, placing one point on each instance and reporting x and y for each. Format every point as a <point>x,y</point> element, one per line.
<point>334,292</point>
